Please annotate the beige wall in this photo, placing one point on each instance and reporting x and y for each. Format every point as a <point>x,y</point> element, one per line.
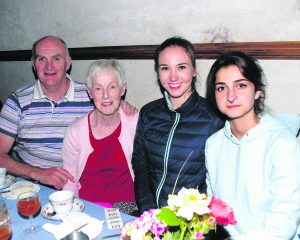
<point>128,22</point>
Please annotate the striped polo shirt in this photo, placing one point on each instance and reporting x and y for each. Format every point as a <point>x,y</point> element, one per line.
<point>39,124</point>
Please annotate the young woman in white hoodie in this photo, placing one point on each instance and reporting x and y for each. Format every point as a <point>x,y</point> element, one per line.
<point>253,163</point>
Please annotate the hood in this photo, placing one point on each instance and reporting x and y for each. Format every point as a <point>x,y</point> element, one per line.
<point>292,122</point>
<point>266,125</point>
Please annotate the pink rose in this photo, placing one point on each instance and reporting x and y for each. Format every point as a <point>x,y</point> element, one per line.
<point>222,212</point>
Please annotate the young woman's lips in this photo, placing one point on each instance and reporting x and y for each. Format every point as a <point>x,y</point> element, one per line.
<point>233,106</point>
<point>174,85</point>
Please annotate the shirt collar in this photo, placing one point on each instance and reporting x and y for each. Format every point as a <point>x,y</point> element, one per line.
<point>39,94</point>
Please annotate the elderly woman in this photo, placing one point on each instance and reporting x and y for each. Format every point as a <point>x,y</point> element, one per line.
<point>97,148</point>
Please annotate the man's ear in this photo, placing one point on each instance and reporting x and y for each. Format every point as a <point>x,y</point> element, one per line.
<point>32,63</point>
<point>69,62</point>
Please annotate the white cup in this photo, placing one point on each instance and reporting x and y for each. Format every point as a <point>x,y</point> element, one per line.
<point>2,175</point>
<point>62,201</point>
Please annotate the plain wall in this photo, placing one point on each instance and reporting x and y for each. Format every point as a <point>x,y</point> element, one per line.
<point>133,22</point>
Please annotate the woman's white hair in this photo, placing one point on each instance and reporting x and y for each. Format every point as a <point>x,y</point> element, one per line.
<point>103,66</point>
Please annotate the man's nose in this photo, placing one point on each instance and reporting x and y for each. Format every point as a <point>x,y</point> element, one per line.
<point>49,64</point>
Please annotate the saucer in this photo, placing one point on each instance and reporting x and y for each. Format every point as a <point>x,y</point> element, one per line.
<point>78,206</point>
<point>8,181</point>
<point>20,187</point>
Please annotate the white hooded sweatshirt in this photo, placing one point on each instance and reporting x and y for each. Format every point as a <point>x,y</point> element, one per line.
<point>259,177</point>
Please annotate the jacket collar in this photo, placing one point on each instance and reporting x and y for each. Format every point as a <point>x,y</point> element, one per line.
<point>189,104</point>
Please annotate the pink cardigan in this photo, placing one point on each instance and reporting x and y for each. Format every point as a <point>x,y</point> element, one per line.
<point>77,147</point>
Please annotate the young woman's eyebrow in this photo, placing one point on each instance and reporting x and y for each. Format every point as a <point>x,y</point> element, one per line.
<point>241,80</point>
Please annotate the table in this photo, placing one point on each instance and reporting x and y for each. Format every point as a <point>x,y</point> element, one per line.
<point>19,223</point>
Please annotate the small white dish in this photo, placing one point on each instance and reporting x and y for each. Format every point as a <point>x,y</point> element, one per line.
<point>20,187</point>
<point>8,181</point>
<point>46,211</point>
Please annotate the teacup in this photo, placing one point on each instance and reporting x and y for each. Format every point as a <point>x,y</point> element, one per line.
<point>62,201</point>
<point>2,175</point>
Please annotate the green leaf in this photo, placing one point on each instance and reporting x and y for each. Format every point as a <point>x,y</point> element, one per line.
<point>169,217</point>
<point>171,236</point>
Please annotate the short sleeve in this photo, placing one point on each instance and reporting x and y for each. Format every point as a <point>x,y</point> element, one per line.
<point>10,116</point>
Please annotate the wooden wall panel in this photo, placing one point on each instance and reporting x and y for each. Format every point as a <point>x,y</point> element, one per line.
<point>259,50</point>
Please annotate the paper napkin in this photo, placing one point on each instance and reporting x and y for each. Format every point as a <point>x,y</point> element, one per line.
<point>73,221</point>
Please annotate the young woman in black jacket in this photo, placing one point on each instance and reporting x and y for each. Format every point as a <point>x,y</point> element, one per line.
<point>171,132</point>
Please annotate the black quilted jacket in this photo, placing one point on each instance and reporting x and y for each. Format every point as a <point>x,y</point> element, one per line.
<point>163,141</point>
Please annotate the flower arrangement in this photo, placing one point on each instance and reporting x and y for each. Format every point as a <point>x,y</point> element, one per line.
<point>189,215</point>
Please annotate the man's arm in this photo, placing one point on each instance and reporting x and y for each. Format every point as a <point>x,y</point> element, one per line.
<point>55,176</point>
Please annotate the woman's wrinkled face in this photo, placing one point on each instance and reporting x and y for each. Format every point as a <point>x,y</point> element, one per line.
<point>106,92</point>
<point>176,72</point>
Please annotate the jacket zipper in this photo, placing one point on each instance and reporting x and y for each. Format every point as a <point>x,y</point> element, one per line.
<point>166,157</point>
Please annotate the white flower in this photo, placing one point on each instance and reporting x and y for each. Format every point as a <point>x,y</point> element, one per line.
<point>185,212</point>
<point>188,202</point>
<point>174,201</point>
<point>137,234</point>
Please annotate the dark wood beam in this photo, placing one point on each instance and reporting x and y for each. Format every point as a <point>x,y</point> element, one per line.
<point>259,50</point>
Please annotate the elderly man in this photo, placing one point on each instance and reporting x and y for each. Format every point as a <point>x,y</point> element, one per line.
<point>34,118</point>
